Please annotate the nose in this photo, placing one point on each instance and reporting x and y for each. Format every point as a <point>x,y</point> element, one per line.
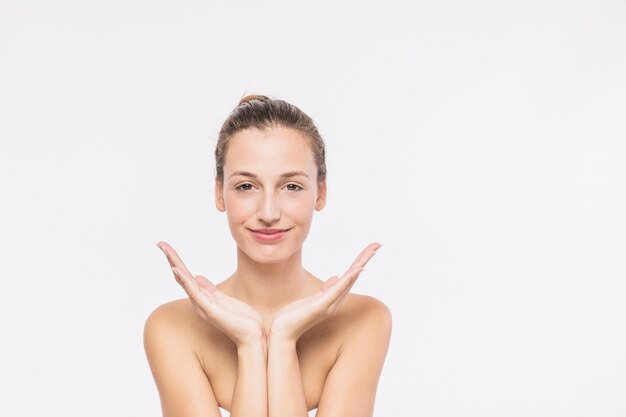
<point>269,208</point>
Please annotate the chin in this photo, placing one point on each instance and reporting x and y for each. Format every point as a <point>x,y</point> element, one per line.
<point>269,253</point>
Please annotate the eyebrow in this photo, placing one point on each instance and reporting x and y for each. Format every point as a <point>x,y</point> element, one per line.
<point>285,175</point>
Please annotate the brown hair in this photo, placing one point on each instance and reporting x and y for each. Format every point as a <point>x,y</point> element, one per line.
<point>262,112</point>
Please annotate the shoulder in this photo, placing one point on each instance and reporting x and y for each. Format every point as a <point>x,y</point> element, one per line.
<point>364,320</point>
<point>169,315</point>
<point>171,336</point>
<point>172,322</point>
<point>169,308</point>
<point>350,386</point>
<point>364,311</point>
<point>162,327</point>
<point>367,303</point>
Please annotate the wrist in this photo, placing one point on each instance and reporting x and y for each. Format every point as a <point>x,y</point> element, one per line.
<point>280,339</point>
<point>252,348</point>
<point>251,344</point>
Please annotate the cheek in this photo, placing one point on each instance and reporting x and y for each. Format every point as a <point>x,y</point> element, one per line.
<point>238,208</point>
<point>300,209</point>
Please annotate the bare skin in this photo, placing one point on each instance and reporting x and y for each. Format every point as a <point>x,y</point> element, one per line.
<point>272,340</point>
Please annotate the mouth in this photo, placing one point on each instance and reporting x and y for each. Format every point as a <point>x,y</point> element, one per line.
<point>268,235</point>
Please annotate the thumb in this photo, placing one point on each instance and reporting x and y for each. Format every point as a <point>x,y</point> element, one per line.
<point>204,283</point>
<point>330,282</point>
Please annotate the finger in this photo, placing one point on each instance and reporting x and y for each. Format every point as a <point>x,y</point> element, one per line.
<point>330,282</point>
<point>204,283</point>
<point>365,255</point>
<point>352,279</point>
<point>349,278</point>
<point>358,265</point>
<point>203,299</point>
<point>172,257</point>
<point>231,303</point>
<point>340,286</point>
<point>189,284</point>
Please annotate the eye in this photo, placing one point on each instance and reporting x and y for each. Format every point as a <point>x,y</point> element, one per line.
<point>293,187</point>
<point>244,187</point>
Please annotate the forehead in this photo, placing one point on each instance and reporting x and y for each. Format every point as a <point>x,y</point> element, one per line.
<point>272,150</point>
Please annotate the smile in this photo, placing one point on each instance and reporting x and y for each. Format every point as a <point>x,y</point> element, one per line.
<point>268,235</point>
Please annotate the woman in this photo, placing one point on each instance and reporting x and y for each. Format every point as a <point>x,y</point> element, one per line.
<point>272,340</point>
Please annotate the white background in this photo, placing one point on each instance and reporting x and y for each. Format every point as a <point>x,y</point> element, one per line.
<point>482,142</point>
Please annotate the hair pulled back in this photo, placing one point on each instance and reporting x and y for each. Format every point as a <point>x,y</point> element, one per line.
<point>262,112</point>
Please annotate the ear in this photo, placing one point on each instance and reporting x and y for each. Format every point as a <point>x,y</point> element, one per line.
<point>321,195</point>
<point>219,196</point>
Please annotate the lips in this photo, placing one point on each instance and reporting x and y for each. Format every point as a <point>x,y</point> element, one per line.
<point>268,235</point>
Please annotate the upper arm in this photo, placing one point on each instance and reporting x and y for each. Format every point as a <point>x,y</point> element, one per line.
<point>183,387</point>
<point>350,387</point>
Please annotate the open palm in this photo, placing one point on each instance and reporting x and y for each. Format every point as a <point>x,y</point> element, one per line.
<point>240,322</point>
<point>297,317</point>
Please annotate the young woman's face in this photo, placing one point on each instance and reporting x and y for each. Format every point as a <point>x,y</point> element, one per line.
<point>269,192</point>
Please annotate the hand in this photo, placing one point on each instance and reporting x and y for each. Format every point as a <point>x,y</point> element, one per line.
<point>296,318</point>
<point>240,322</point>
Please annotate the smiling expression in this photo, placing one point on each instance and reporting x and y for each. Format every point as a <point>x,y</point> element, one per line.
<point>269,192</point>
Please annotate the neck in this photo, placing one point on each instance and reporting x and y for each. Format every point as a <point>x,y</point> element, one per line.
<point>268,287</point>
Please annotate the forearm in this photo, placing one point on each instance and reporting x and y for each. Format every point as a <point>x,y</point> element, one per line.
<point>250,392</point>
<point>285,390</point>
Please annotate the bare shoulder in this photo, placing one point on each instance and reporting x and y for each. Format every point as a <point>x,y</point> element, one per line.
<point>169,325</point>
<point>171,338</point>
<point>178,322</point>
<point>170,307</point>
<point>367,303</point>
<point>363,319</point>
<point>364,324</point>
<point>365,311</point>
<point>177,314</point>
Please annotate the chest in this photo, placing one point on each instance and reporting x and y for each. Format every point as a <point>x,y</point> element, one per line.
<point>317,353</point>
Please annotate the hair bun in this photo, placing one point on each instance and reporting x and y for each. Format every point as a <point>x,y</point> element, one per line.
<point>252,97</point>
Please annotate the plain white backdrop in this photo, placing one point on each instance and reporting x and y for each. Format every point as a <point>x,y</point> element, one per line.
<point>483,143</point>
